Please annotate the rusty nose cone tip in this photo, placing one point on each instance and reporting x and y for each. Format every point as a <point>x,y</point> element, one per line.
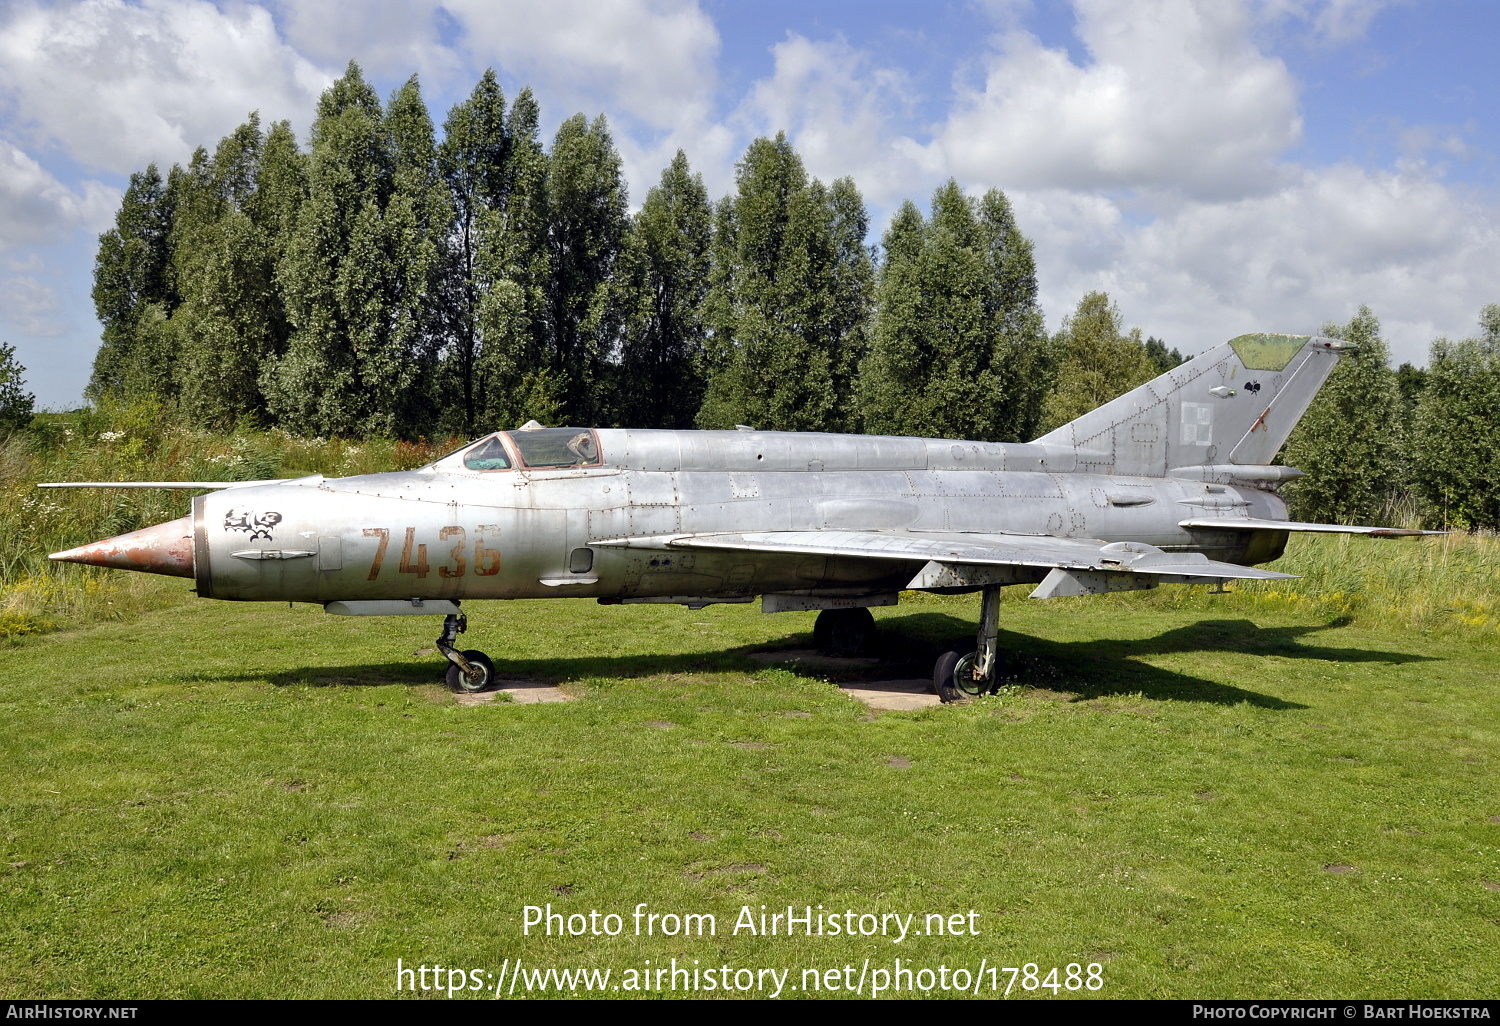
<point>162,549</point>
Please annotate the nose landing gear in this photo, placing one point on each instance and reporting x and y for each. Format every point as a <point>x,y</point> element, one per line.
<point>958,672</point>
<point>469,671</point>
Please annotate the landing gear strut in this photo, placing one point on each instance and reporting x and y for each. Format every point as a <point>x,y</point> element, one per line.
<point>471,670</point>
<point>843,632</point>
<point>959,672</point>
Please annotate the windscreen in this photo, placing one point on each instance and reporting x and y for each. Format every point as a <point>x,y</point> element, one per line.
<point>489,454</point>
<point>557,447</point>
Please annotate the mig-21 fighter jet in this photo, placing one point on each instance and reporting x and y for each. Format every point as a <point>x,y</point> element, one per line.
<point>1171,483</point>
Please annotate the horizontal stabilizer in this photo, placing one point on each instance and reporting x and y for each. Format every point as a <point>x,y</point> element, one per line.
<point>1247,524</point>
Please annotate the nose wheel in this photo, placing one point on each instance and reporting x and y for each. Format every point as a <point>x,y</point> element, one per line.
<point>480,676</point>
<point>469,671</point>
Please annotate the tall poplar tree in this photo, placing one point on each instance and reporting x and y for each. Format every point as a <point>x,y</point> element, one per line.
<point>1348,444</point>
<point>1456,447</point>
<point>477,162</point>
<point>1024,358</point>
<point>280,192</point>
<point>363,268</point>
<point>661,283</point>
<point>586,221</point>
<point>515,380</point>
<point>133,294</point>
<point>790,298</point>
<point>329,272</point>
<point>958,342</point>
<point>415,228</point>
<point>230,322</point>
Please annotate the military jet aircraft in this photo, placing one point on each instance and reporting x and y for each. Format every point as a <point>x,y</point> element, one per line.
<point>1171,483</point>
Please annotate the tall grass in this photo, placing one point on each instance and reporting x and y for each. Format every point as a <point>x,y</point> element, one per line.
<point>137,442</point>
<point>1451,581</point>
<point>1431,584</point>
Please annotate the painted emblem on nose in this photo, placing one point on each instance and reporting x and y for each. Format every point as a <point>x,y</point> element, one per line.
<point>255,525</point>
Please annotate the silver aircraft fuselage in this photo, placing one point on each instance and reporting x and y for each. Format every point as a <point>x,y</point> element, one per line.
<point>449,532</point>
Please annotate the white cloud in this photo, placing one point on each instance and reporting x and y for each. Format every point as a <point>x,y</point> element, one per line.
<point>651,60</point>
<point>35,207</point>
<point>116,85</point>
<point>1175,95</point>
<point>29,306</point>
<point>1334,22</point>
<point>1404,243</point>
<point>392,38</point>
<point>842,112</point>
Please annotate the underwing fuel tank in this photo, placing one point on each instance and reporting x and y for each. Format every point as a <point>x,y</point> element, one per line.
<point>160,549</point>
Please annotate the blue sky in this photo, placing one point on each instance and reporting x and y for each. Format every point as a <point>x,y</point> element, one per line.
<point>1216,166</point>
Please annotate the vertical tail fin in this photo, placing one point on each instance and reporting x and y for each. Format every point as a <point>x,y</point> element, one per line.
<point>1235,404</point>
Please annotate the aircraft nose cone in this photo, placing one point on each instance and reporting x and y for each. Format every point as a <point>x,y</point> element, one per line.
<point>162,549</point>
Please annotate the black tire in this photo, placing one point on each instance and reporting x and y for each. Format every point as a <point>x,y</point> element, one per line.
<point>459,681</point>
<point>844,632</point>
<point>943,672</point>
<point>822,627</point>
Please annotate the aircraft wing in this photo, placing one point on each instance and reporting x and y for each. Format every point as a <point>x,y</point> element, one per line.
<point>1248,524</point>
<point>961,548</point>
<point>212,485</point>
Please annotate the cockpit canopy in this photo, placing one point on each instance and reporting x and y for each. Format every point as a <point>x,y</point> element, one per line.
<point>537,448</point>
<point>556,447</point>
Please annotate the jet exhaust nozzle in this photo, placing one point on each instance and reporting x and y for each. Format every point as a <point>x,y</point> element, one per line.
<point>162,549</point>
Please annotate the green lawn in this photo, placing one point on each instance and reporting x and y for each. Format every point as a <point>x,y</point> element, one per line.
<point>226,800</point>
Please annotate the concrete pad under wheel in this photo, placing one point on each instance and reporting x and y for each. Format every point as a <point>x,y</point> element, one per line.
<point>522,692</point>
<point>895,695</point>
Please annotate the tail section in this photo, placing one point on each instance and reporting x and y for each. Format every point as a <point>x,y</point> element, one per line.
<point>1235,404</point>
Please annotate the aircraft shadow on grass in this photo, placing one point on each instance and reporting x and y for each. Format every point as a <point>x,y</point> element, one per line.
<point>1113,666</point>
<point>908,644</point>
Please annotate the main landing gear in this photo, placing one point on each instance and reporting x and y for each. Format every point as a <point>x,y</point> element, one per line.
<point>843,632</point>
<point>469,671</point>
<point>960,672</point>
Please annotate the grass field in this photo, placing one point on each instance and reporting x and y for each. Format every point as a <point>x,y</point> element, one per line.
<point>1231,796</point>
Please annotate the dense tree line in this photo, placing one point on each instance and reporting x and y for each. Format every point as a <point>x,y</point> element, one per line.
<point>388,281</point>
<point>1407,445</point>
<point>385,281</point>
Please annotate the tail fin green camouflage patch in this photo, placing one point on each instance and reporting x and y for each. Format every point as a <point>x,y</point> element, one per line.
<point>1267,352</point>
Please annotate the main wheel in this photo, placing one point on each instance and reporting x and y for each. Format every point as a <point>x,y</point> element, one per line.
<point>482,681</point>
<point>843,632</point>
